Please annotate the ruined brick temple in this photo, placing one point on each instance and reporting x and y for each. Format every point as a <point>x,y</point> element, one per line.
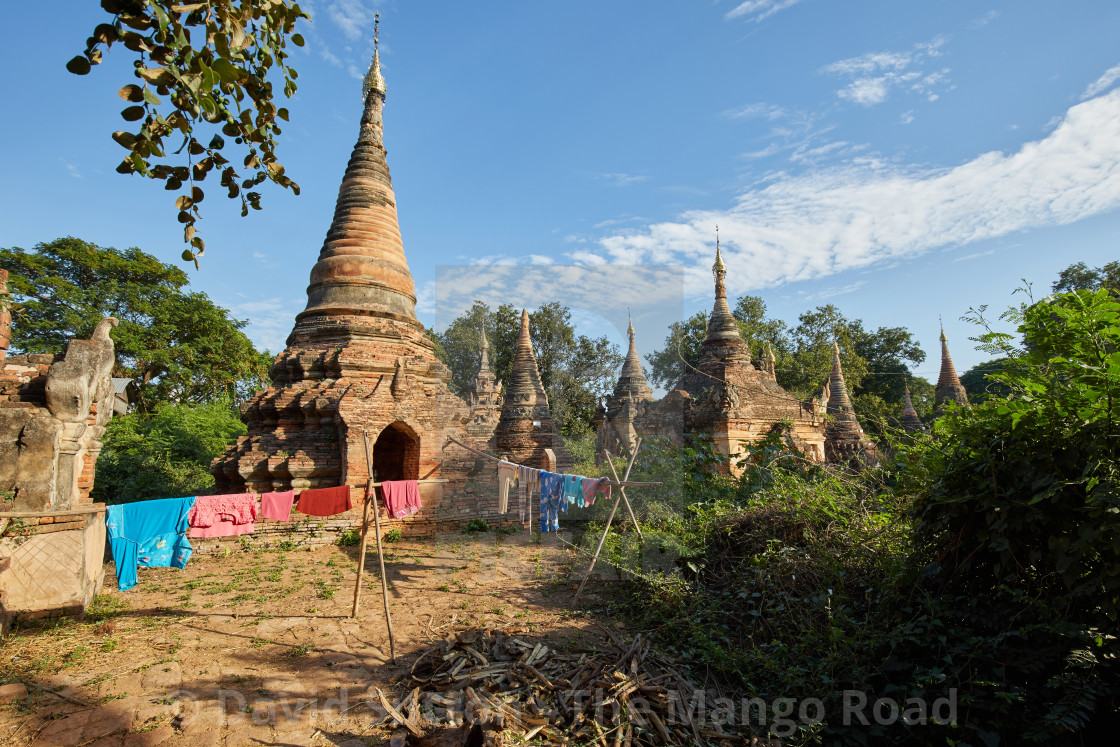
<point>359,361</point>
<point>730,399</point>
<point>53,412</point>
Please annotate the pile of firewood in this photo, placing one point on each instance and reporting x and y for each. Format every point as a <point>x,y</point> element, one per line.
<point>493,687</point>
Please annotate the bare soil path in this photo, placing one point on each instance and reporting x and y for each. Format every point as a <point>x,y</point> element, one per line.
<point>257,647</point>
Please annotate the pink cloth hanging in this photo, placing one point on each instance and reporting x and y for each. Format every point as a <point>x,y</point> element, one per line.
<point>223,515</point>
<point>402,497</point>
<point>277,506</point>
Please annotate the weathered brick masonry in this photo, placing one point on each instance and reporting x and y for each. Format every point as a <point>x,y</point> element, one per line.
<point>359,361</point>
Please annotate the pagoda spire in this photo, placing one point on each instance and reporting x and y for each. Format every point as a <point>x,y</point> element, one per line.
<point>949,386</point>
<point>844,440</point>
<point>484,350</point>
<point>839,404</point>
<point>632,378</point>
<point>723,327</point>
<point>911,423</point>
<point>362,272</point>
<point>374,80</point>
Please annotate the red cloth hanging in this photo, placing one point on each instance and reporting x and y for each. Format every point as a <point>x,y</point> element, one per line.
<point>402,497</point>
<point>324,501</point>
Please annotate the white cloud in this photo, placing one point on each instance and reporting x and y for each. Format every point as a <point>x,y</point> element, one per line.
<point>907,117</point>
<point>758,10</point>
<point>353,17</point>
<point>876,74</point>
<point>870,213</point>
<point>1103,83</point>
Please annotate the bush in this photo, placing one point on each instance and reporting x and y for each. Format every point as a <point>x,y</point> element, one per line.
<point>476,525</point>
<point>349,538</point>
<point>393,535</point>
<point>164,454</point>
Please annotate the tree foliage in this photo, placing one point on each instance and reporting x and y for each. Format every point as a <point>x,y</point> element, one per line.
<point>164,454</point>
<point>1017,525</point>
<point>202,71</point>
<point>1079,276</point>
<point>576,370</point>
<point>177,344</point>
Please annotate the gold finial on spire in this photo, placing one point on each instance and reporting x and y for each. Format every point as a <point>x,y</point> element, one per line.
<point>374,81</point>
<point>719,266</point>
<point>630,329</point>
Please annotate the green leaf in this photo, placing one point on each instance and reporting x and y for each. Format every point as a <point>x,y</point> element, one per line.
<point>216,143</point>
<point>132,113</point>
<point>78,65</point>
<point>151,98</point>
<point>297,40</point>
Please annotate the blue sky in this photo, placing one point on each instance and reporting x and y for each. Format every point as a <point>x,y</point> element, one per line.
<point>901,160</point>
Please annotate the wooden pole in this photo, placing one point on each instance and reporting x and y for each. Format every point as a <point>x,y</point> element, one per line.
<point>380,554</point>
<point>610,518</point>
<point>362,550</point>
<point>622,488</point>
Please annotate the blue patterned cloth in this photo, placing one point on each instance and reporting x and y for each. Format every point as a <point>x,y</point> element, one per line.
<point>553,502</point>
<point>148,533</point>
<point>573,489</point>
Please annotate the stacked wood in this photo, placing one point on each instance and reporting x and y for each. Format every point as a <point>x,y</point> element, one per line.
<point>614,695</point>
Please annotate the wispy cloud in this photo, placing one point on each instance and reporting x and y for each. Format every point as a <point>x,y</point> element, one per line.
<point>984,20</point>
<point>71,168</point>
<point>620,180</point>
<point>758,10</point>
<point>876,74</point>
<point>1103,83</point>
<point>353,17</point>
<point>271,320</point>
<point>756,110</point>
<point>869,213</point>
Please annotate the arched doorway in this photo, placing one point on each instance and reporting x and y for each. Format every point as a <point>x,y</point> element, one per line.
<point>396,454</point>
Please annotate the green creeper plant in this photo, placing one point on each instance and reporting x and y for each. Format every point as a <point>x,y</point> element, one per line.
<point>203,71</point>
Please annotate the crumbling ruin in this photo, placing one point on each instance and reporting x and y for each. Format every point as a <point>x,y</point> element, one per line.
<point>53,412</point>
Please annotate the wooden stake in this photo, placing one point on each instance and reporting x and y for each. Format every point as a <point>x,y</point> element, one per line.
<point>371,498</point>
<point>362,550</point>
<point>607,528</point>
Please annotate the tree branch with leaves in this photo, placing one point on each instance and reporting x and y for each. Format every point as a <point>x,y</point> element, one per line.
<point>203,71</point>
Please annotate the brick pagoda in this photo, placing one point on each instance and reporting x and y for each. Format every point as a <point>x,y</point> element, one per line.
<point>358,360</point>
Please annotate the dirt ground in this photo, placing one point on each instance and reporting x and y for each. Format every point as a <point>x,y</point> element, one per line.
<point>258,647</point>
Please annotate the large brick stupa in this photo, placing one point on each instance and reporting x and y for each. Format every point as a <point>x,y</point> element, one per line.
<point>358,359</point>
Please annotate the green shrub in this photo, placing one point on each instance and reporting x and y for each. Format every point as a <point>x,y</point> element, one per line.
<point>164,454</point>
<point>349,538</point>
<point>393,535</point>
<point>475,526</point>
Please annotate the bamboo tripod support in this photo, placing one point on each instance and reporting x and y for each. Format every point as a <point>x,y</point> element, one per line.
<point>614,508</point>
<point>371,498</point>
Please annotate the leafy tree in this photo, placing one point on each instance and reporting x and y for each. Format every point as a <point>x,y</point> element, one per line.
<point>810,363</point>
<point>575,370</point>
<point>683,340</point>
<point>200,67</point>
<point>165,453</point>
<point>1080,276</point>
<point>980,385</point>
<point>1016,527</point>
<point>177,344</point>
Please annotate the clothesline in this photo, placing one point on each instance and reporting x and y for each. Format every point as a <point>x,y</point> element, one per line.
<point>613,483</point>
